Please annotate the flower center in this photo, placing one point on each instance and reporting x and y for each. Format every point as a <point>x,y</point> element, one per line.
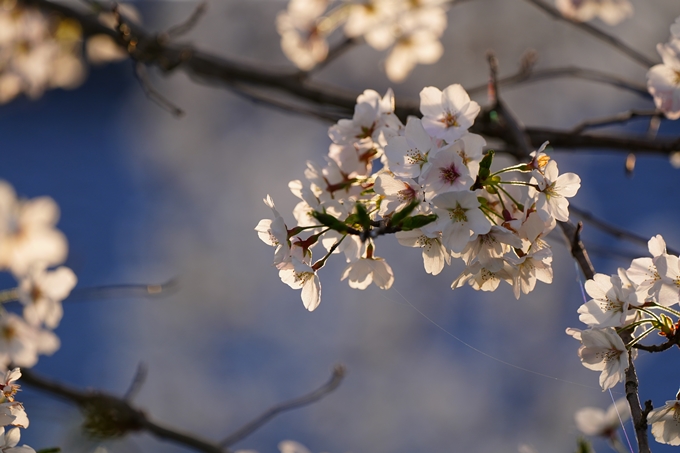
<point>449,174</point>
<point>406,194</point>
<point>414,156</point>
<point>450,120</point>
<point>458,214</point>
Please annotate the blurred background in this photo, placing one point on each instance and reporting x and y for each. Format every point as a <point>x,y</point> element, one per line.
<point>146,197</point>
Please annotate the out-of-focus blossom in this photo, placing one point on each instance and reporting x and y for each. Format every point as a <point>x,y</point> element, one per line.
<point>37,53</point>
<point>41,291</point>
<point>663,80</point>
<point>610,11</point>
<point>27,234</point>
<point>303,42</point>
<point>21,343</point>
<point>593,421</point>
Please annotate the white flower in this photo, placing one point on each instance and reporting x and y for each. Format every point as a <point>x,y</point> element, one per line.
<point>301,39</point>
<point>408,154</point>
<point>299,275</point>
<point>665,423</point>
<point>398,192</point>
<point>603,350</point>
<point>490,246</point>
<point>484,277</point>
<point>610,303</point>
<point>16,412</point>
<point>27,233</point>
<point>9,440</point>
<point>434,252</point>
<point>275,233</point>
<point>644,272</point>
<point>374,20</point>
<point>529,267</point>
<point>663,80</point>
<point>20,343</point>
<point>446,172</point>
<point>9,388</point>
<point>610,11</point>
<point>553,191</point>
<point>41,291</point>
<point>421,46</point>
<point>593,421</point>
<point>460,218</point>
<point>448,114</point>
<point>365,271</point>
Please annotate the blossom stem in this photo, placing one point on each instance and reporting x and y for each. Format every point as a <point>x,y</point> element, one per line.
<point>668,309</point>
<point>521,183</point>
<point>651,313</point>
<point>642,335</point>
<point>319,264</point>
<point>515,167</point>
<point>517,204</point>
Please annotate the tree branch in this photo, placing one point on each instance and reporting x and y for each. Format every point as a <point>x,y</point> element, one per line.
<point>118,415</point>
<point>151,50</point>
<point>599,34</point>
<point>316,395</point>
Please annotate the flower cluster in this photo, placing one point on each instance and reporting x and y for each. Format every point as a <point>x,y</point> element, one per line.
<point>12,414</point>
<point>30,247</point>
<point>663,80</point>
<point>411,29</point>
<point>610,11</point>
<point>624,309</point>
<point>435,190</point>
<point>39,51</point>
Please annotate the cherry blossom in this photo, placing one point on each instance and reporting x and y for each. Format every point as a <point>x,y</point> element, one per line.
<point>20,343</point>
<point>663,80</point>
<point>41,291</point>
<point>448,114</point>
<point>644,272</point>
<point>365,271</point>
<point>611,302</point>
<point>303,42</point>
<point>553,191</point>
<point>603,350</point>
<point>434,252</point>
<point>299,275</point>
<point>610,11</point>
<point>446,173</point>
<point>408,154</point>
<point>593,421</point>
<point>397,192</point>
<point>27,233</point>
<point>665,423</point>
<point>9,440</point>
<point>460,218</point>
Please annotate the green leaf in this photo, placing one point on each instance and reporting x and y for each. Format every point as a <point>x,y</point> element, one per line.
<point>330,221</point>
<point>362,217</point>
<point>417,221</point>
<point>398,217</point>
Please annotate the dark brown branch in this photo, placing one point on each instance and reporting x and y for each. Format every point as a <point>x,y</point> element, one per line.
<point>316,395</point>
<point>528,74</point>
<point>118,411</point>
<point>618,119</point>
<point>613,230</point>
<point>148,49</point>
<point>578,251</point>
<point>599,34</point>
<point>185,27</point>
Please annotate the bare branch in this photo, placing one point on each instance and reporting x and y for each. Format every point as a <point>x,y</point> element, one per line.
<point>185,27</point>
<point>619,118</point>
<point>125,290</point>
<point>639,417</point>
<point>148,49</point>
<point>250,427</point>
<point>152,94</point>
<point>118,413</point>
<point>528,74</point>
<point>599,34</point>
<point>137,382</point>
<point>613,230</point>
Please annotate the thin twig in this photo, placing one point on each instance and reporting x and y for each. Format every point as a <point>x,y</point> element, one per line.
<point>152,94</point>
<point>120,411</point>
<point>525,75</point>
<point>123,290</point>
<point>250,427</point>
<point>612,230</point>
<point>185,27</point>
<point>618,119</point>
<point>137,382</point>
<point>599,34</point>
<point>212,69</point>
